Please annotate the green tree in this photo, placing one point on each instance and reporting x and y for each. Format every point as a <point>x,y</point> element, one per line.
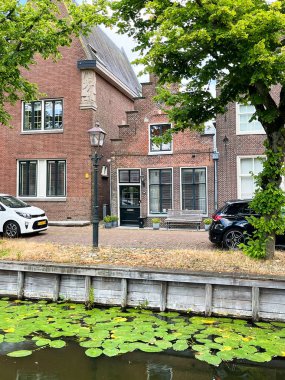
<point>241,44</point>
<point>37,26</point>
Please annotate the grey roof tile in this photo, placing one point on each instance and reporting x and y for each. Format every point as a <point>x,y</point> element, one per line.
<point>101,48</point>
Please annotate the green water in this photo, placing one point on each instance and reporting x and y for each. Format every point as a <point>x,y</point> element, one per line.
<point>43,341</point>
<point>71,363</point>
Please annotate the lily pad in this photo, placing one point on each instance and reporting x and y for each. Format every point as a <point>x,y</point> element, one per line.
<point>20,353</point>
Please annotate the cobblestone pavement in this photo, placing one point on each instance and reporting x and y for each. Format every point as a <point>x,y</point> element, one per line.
<point>126,237</point>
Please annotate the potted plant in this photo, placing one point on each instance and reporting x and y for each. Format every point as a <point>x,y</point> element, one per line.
<point>108,221</point>
<point>155,223</point>
<point>207,223</point>
<point>114,220</point>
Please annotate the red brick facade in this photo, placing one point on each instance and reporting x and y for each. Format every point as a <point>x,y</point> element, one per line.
<point>231,147</point>
<point>62,80</point>
<point>131,150</point>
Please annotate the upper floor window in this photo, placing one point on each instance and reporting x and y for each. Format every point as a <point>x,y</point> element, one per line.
<point>157,130</point>
<point>43,115</point>
<point>244,125</point>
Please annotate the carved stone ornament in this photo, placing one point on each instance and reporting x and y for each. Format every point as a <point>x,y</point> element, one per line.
<point>88,90</point>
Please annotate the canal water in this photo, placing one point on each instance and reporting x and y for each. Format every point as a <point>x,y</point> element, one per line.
<point>66,341</point>
<point>70,363</point>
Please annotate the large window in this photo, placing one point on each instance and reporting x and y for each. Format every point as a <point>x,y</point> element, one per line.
<point>43,115</point>
<point>248,166</point>
<point>42,178</point>
<point>28,178</point>
<point>157,131</point>
<point>160,190</point>
<point>55,178</point>
<point>193,187</point>
<point>245,126</point>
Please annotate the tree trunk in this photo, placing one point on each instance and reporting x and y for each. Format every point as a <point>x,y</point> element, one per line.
<point>276,144</point>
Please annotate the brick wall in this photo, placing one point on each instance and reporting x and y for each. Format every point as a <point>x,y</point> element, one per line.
<point>63,80</point>
<point>230,146</point>
<point>131,150</point>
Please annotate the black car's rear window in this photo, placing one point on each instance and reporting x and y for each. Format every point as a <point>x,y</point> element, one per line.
<point>236,208</point>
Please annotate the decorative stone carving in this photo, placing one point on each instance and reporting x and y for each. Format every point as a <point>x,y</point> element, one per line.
<point>88,90</point>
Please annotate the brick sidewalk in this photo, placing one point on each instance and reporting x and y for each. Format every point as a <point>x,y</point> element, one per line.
<point>126,237</point>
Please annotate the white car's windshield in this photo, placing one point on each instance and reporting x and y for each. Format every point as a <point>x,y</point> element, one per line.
<point>12,202</point>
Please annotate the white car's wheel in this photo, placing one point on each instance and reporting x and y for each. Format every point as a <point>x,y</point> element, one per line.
<point>11,229</point>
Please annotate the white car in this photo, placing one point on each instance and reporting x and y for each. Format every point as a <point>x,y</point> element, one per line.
<point>17,217</point>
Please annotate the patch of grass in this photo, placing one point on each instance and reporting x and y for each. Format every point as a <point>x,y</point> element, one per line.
<point>215,260</point>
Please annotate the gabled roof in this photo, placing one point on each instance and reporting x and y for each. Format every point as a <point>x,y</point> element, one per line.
<point>111,59</point>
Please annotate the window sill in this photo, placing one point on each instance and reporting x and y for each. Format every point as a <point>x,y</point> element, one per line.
<point>159,152</point>
<point>31,132</point>
<point>239,133</point>
<point>44,199</point>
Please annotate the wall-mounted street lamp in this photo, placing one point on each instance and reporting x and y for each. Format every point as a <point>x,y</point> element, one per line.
<point>97,137</point>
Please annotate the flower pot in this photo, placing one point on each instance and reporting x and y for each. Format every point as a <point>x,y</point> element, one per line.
<point>207,227</point>
<point>108,225</point>
<point>155,226</point>
<point>114,223</point>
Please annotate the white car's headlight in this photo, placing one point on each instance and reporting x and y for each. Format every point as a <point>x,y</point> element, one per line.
<point>24,215</point>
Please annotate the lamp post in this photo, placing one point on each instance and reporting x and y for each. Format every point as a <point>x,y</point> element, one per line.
<point>97,136</point>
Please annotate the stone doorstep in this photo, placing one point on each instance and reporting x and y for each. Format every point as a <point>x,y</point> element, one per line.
<point>69,223</point>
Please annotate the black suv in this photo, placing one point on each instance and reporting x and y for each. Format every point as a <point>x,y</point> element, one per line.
<point>229,225</point>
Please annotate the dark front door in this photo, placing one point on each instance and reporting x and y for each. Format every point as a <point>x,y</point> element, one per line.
<point>129,205</point>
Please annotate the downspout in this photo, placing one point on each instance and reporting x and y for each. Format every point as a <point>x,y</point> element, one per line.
<point>215,157</point>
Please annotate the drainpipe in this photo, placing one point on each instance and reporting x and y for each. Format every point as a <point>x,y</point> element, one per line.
<point>215,157</point>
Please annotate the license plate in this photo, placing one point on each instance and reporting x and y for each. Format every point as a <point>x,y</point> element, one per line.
<point>42,223</point>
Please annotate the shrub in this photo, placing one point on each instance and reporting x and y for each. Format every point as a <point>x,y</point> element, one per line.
<point>155,220</point>
<point>107,219</point>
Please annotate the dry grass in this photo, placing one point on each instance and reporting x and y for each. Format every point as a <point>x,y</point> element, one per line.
<point>192,260</point>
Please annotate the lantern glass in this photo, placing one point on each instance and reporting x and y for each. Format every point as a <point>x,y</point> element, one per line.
<point>97,136</point>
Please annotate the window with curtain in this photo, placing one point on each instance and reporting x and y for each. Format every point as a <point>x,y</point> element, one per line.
<point>160,190</point>
<point>248,167</point>
<point>245,126</point>
<point>193,185</point>
<point>56,178</point>
<point>28,178</point>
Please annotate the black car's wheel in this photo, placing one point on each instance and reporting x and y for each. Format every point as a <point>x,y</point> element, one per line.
<point>232,238</point>
<point>11,229</point>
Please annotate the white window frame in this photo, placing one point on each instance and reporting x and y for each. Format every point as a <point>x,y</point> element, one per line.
<point>42,181</point>
<point>158,152</point>
<point>239,176</point>
<point>238,131</point>
<point>180,181</point>
<point>162,215</point>
<point>42,130</point>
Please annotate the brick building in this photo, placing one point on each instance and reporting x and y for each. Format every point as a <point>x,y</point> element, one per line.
<point>148,179</point>
<point>240,147</point>
<point>45,157</point>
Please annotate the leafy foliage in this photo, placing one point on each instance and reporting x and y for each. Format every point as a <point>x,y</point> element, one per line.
<point>37,27</point>
<point>268,202</point>
<point>113,332</point>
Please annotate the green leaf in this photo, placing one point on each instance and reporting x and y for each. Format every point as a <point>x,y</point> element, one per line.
<point>20,353</point>
<point>57,343</point>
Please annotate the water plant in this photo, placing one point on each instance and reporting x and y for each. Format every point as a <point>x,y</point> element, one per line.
<point>113,331</point>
